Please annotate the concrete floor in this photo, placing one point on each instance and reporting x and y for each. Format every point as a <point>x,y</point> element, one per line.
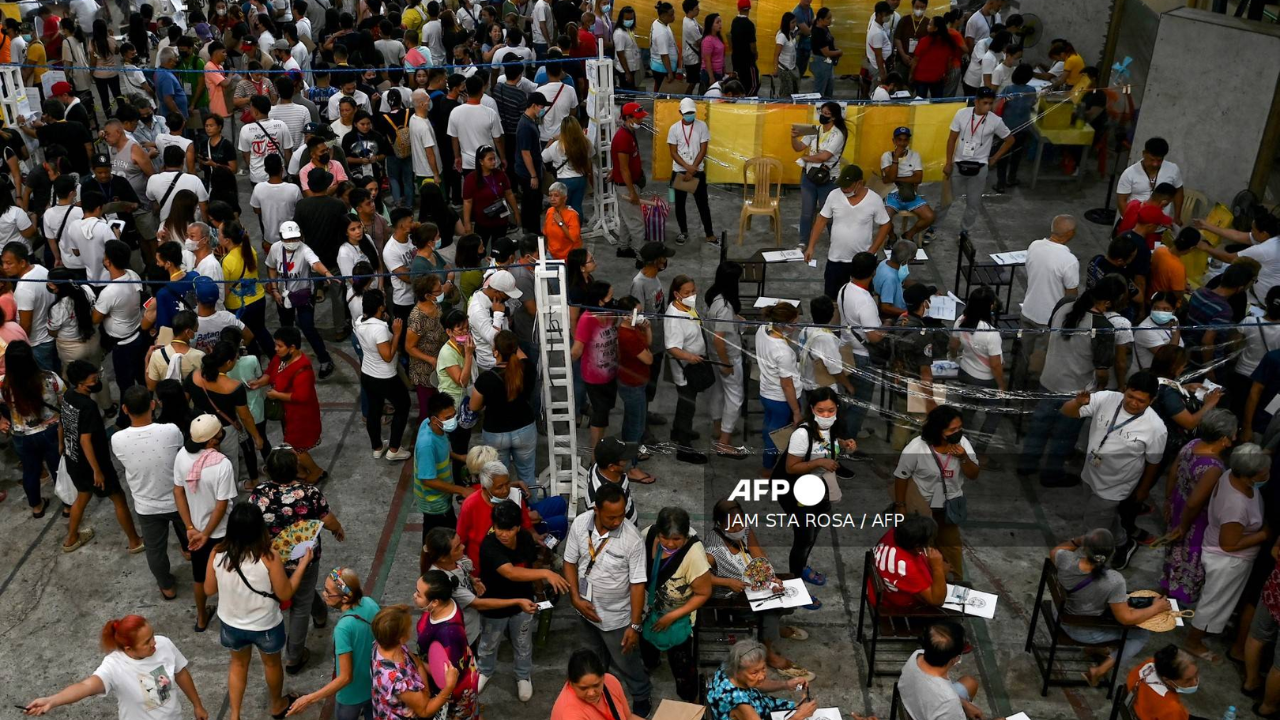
<point>52,606</point>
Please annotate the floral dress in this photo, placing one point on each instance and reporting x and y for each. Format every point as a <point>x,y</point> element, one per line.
<point>390,679</point>
<point>431,336</point>
<point>451,634</point>
<point>284,505</point>
<point>723,696</point>
<point>1183,571</point>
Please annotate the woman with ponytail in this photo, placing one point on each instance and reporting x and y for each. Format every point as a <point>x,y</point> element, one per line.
<point>215,393</point>
<point>1172,668</point>
<point>505,392</point>
<point>352,683</point>
<point>442,644</point>
<point>141,668</point>
<point>247,296</point>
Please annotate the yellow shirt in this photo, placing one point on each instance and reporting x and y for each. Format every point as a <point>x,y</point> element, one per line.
<point>36,56</point>
<point>249,289</point>
<point>413,18</point>
<point>1073,65</point>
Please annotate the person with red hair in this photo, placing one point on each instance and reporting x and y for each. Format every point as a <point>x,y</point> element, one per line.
<point>141,669</point>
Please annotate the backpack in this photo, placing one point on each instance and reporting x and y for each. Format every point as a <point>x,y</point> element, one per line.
<point>402,146</point>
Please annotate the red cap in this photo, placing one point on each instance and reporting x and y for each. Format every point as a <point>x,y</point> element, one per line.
<point>634,110</point>
<point>1152,215</point>
<point>744,4</point>
<point>62,87</point>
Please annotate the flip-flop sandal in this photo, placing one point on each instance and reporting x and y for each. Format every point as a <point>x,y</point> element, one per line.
<point>43,507</point>
<point>82,539</point>
<point>813,577</point>
<point>1208,656</point>
<point>66,512</point>
<point>815,605</point>
<point>795,671</point>
<point>646,480</point>
<point>142,547</point>
<point>796,633</point>
<point>196,627</point>
<point>167,598</point>
<point>292,699</point>
<point>1091,683</point>
<point>1255,693</point>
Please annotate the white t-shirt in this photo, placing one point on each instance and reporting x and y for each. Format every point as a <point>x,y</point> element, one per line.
<point>83,245</point>
<point>147,455</point>
<point>121,303</point>
<point>819,345</point>
<point>275,203</point>
<point>217,483</point>
<point>662,41</point>
<point>853,227</point>
<point>1260,337</point>
<point>858,309</point>
<point>879,41</point>
<point>362,103</point>
<point>625,45</point>
<point>542,14</point>
<point>1002,76</point>
<point>819,447</point>
<point>348,256</point>
<point>776,360</point>
<point>62,316</point>
<point>920,463</point>
<point>1051,270</point>
<point>976,133</point>
<point>370,332</point>
<point>34,297</point>
<point>293,267</point>
<point>145,689</point>
<point>1135,182</point>
<point>563,100</point>
<point>977,349</point>
<point>52,221</point>
<point>209,329</point>
<point>688,140</point>
<point>1267,253</point>
<point>982,65</point>
<point>422,138</point>
<point>974,70</point>
<point>433,38</point>
<point>908,164</point>
<point>979,25</point>
<point>833,141</point>
<point>12,223</point>
<point>212,269</point>
<point>395,255</point>
<point>474,126</point>
<point>294,116</point>
<point>684,334</point>
<point>1145,343</point>
<point>158,189</point>
<point>691,41</point>
<point>786,58</point>
<point>260,139</point>
<point>1134,441</point>
<point>554,158</point>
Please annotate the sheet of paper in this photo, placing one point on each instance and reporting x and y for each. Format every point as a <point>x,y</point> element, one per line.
<point>955,298</point>
<point>942,307</point>
<point>1256,311</point>
<point>544,605</point>
<point>1206,386</point>
<point>764,302</point>
<point>1021,715</point>
<point>813,263</point>
<point>1274,406</point>
<point>921,255</point>
<point>301,549</point>
<point>792,255</point>
<point>793,594</point>
<point>1016,257</point>
<point>819,714</point>
<point>970,602</point>
<point>1173,605</point>
<point>945,369</point>
<point>48,80</point>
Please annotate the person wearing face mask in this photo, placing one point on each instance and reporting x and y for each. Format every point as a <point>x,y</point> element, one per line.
<point>1172,668</point>
<point>117,312</point>
<point>629,179</point>
<point>819,161</point>
<point>685,343</point>
<point>779,374</point>
<point>859,224</point>
<point>930,478</point>
<point>911,568</point>
<point>424,336</point>
<point>907,35</point>
<point>687,140</point>
<point>291,381</point>
<point>626,55</point>
<point>434,462</point>
<point>890,277</point>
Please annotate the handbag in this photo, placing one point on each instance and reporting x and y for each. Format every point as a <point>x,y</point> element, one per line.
<point>955,510</point>
<point>274,409</point>
<point>969,168</point>
<point>698,376</point>
<point>820,175</point>
<point>675,634</point>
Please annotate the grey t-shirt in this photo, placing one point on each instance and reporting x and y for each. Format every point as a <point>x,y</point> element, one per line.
<point>1072,358</point>
<point>522,323</point>
<point>1092,599</point>
<point>925,696</point>
<point>648,290</point>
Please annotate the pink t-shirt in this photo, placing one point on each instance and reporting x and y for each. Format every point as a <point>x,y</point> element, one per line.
<point>214,78</point>
<point>600,348</point>
<point>713,54</point>
<point>10,306</point>
<point>335,169</point>
<point>1229,505</point>
<point>9,332</point>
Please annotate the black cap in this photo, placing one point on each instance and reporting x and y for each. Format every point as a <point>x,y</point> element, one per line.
<point>913,295</point>
<point>985,93</point>
<point>654,250</point>
<point>320,130</point>
<point>538,99</point>
<point>101,160</point>
<point>612,450</point>
<point>502,248</point>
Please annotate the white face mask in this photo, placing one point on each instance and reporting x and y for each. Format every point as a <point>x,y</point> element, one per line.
<point>918,13</point>
<point>191,245</point>
<point>291,246</point>
<point>824,423</point>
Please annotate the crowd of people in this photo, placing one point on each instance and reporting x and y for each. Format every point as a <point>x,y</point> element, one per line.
<point>404,160</point>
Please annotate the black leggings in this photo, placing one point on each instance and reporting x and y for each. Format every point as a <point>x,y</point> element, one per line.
<point>380,391</point>
<point>105,84</point>
<point>704,208</point>
<point>803,536</point>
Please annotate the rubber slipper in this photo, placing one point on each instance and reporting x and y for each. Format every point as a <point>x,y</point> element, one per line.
<point>82,539</point>
<point>1208,656</point>
<point>199,629</point>
<point>292,699</point>
<point>815,605</point>
<point>1269,716</point>
<point>645,479</point>
<point>797,633</point>
<point>813,577</point>
<point>174,596</point>
<point>43,507</point>
<point>142,547</point>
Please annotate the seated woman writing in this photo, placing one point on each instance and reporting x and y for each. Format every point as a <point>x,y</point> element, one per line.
<point>912,569</point>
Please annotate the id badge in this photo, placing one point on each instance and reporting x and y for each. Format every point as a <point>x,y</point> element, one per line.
<point>969,148</point>
<point>588,594</point>
<point>1095,459</point>
<point>911,45</point>
<point>948,474</point>
<point>186,88</point>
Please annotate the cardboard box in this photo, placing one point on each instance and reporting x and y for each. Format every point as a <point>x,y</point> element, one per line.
<point>676,710</point>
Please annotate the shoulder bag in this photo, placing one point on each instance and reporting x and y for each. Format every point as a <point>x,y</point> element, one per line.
<point>284,604</point>
<point>678,632</point>
<point>955,510</point>
<point>821,175</point>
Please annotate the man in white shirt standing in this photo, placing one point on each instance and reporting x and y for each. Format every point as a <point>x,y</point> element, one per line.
<point>969,153</point>
<point>433,34</point>
<point>1140,179</point>
<point>118,313</point>
<point>263,137</point>
<point>33,300</point>
<point>879,45</point>
<point>859,310</point>
<point>200,242</point>
<point>691,45</point>
<point>544,28</point>
<point>1263,239</point>
<point>163,186</point>
<point>1053,272</point>
<point>91,235</point>
<point>982,22</point>
<point>203,501</point>
<point>294,116</point>
<point>422,137</point>
<point>562,100</point>
<point>859,223</point>
<point>472,126</point>
<point>487,313</point>
<point>1122,458</point>
<point>146,451</point>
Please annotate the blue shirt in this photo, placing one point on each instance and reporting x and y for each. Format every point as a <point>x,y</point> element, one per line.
<point>170,298</point>
<point>541,78</point>
<point>167,85</point>
<point>1019,106</point>
<point>804,16</point>
<point>431,461</point>
<point>888,286</point>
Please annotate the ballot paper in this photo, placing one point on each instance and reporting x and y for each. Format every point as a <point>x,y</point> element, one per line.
<point>942,307</point>
<point>921,255</point>
<point>792,255</point>
<point>1256,311</point>
<point>1017,257</point>
<point>301,549</point>
<point>793,594</point>
<point>764,302</point>
<point>970,602</point>
<point>1018,716</point>
<point>946,369</point>
<point>1173,605</point>
<point>1206,386</point>
<point>819,714</point>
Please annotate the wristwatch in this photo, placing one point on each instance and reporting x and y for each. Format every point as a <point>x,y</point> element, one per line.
<point>636,627</point>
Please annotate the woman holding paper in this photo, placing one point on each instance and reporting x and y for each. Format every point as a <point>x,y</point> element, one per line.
<point>779,374</point>
<point>737,691</point>
<point>290,505</point>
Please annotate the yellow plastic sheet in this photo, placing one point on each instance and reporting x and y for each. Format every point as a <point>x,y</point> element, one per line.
<point>1197,261</point>
<point>741,131</point>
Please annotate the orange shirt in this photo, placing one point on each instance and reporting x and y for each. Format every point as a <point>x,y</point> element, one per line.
<point>214,80</point>
<point>569,707</point>
<point>1148,703</point>
<point>1167,272</point>
<point>561,238</point>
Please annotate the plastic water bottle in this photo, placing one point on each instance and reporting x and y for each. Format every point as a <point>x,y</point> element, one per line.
<point>1230,714</point>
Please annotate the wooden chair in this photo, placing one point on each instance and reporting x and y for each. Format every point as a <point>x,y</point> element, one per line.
<point>1052,609</point>
<point>721,623</point>
<point>990,273</point>
<point>892,627</point>
<point>761,195</point>
<point>896,706</point>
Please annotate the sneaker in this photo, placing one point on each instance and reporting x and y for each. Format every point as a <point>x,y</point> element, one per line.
<point>1124,554</point>
<point>378,453</point>
<point>327,369</point>
<point>524,690</point>
<point>397,456</point>
<point>626,253</point>
<point>681,239</point>
<point>484,680</point>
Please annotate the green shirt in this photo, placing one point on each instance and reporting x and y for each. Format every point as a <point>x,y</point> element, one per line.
<point>449,357</point>
<point>353,633</point>
<point>191,75</point>
<point>248,369</point>
<point>469,282</point>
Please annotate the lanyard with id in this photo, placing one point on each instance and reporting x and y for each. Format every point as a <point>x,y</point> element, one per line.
<point>593,552</point>
<point>969,148</point>
<point>1095,457</point>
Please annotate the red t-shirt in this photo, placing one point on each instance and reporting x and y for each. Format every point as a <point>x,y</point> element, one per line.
<point>624,141</point>
<point>586,45</point>
<point>474,520</point>
<point>933,57</point>
<point>1130,219</point>
<point>904,574</point>
<point>631,342</point>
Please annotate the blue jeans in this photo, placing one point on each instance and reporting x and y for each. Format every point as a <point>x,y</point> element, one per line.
<point>268,642</point>
<point>811,198</point>
<point>519,628</point>
<point>518,449</point>
<point>579,388</point>
<point>353,712</point>
<point>1133,642</point>
<point>864,391</point>
<point>34,450</point>
<point>400,171</point>
<point>1052,434</point>
<point>635,409</point>
<point>824,82</point>
<point>777,414</point>
<point>306,318</point>
<point>46,356</point>
<point>540,51</point>
<point>577,192</point>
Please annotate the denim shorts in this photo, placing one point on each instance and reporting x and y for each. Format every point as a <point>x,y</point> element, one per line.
<point>895,202</point>
<point>269,642</point>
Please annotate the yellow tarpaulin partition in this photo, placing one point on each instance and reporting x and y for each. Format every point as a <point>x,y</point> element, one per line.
<point>741,131</point>
<point>1197,261</point>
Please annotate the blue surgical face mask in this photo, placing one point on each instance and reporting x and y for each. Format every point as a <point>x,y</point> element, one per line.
<point>690,117</point>
<point>440,298</point>
<point>606,9</point>
<point>903,272</point>
<point>1259,485</point>
<point>1186,690</point>
<point>1161,317</point>
<point>628,23</point>
<point>450,425</point>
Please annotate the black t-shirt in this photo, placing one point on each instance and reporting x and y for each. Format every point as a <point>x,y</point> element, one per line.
<point>741,34</point>
<point>820,38</point>
<point>502,415</point>
<point>41,190</point>
<point>388,128</point>
<point>565,12</point>
<point>80,416</point>
<point>323,221</point>
<point>220,182</point>
<point>438,115</point>
<point>70,135</point>
<point>78,113</point>
<point>210,402</point>
<point>358,145</point>
<point>493,555</point>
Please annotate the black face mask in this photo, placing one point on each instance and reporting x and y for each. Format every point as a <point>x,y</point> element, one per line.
<point>145,119</point>
<point>95,388</point>
<point>954,438</point>
<point>826,119</point>
<point>325,158</point>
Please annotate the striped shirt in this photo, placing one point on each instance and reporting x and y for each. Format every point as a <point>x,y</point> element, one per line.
<point>597,481</point>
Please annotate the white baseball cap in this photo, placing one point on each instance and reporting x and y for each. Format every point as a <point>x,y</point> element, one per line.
<point>204,428</point>
<point>687,105</point>
<point>289,230</point>
<point>505,283</point>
